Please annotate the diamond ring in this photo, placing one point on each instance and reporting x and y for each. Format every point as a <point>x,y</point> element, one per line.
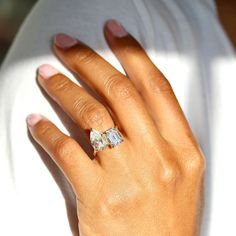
<point>109,138</point>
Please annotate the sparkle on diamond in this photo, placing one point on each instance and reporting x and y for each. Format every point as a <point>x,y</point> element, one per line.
<point>97,140</point>
<point>114,137</point>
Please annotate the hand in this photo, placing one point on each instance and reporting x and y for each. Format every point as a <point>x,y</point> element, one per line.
<point>150,184</point>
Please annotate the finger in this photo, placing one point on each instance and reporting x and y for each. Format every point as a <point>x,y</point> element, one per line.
<point>84,109</point>
<point>119,93</point>
<point>149,81</point>
<point>79,169</point>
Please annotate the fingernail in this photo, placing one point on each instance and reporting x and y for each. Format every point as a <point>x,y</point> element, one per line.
<point>46,71</point>
<point>33,119</point>
<point>116,28</point>
<point>65,41</point>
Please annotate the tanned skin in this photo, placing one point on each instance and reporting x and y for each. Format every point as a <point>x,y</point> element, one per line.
<point>151,184</point>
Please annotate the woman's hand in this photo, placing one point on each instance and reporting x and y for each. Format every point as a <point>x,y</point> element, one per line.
<point>150,184</point>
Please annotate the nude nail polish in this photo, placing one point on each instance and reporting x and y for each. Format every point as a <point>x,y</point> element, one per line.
<point>116,28</point>
<point>46,71</point>
<point>64,41</point>
<point>33,119</point>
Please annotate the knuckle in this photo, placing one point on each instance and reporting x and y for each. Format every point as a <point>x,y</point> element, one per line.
<point>77,103</point>
<point>196,164</point>
<point>121,203</point>
<point>112,206</point>
<point>195,161</point>
<point>63,146</point>
<point>157,83</point>
<point>84,56</point>
<point>119,87</point>
<point>93,114</point>
<point>61,84</point>
<point>170,174</point>
<point>96,116</point>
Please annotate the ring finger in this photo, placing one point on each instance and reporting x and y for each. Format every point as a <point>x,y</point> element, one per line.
<point>116,89</point>
<point>84,109</point>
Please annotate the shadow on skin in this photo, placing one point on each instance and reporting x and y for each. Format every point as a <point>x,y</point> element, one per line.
<point>63,184</point>
<point>40,36</point>
<point>78,134</point>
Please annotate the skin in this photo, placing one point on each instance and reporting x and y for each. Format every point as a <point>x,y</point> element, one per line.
<point>151,184</point>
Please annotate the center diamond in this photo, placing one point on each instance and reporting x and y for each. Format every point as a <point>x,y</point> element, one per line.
<point>114,137</point>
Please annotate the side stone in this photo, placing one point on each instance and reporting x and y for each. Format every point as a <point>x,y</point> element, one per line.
<point>97,140</point>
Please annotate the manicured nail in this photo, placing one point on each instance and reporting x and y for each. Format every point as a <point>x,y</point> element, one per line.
<point>46,71</point>
<point>33,119</point>
<point>65,41</point>
<point>116,28</point>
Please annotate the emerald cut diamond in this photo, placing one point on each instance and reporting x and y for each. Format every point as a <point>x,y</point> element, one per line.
<point>113,137</point>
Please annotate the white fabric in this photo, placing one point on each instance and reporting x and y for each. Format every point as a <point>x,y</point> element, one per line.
<point>183,38</point>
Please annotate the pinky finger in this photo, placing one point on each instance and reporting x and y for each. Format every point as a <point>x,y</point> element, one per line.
<point>79,169</point>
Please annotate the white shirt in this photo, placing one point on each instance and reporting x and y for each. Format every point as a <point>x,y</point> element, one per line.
<point>183,38</point>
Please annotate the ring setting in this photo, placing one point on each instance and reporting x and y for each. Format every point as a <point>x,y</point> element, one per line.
<point>109,138</point>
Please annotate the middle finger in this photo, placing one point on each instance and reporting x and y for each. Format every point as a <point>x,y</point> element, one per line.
<point>116,89</point>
